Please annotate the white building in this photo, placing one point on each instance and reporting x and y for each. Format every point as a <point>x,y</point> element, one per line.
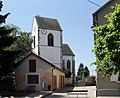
<point>47,43</point>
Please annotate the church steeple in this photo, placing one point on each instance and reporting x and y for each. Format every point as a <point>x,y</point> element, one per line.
<point>49,39</point>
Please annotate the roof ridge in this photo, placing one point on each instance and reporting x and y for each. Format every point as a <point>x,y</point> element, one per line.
<point>104,5</point>
<point>66,50</point>
<point>45,17</point>
<point>49,23</point>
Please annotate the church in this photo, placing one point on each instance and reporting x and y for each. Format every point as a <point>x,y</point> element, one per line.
<point>51,63</point>
<point>47,35</point>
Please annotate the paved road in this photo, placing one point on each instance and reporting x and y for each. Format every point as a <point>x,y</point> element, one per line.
<point>61,93</point>
<point>57,95</point>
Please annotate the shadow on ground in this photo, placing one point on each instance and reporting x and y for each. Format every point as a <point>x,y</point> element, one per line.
<point>64,89</point>
<point>55,96</point>
<point>15,94</point>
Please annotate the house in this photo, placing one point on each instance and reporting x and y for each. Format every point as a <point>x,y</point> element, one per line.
<point>108,85</point>
<point>35,74</point>
<point>47,37</point>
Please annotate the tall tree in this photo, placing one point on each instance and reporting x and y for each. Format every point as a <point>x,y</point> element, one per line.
<point>7,58</point>
<point>107,47</point>
<point>80,72</point>
<point>86,71</point>
<point>23,42</point>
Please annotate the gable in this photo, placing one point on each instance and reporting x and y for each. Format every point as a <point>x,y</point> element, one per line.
<point>40,62</point>
<point>99,15</point>
<point>109,3</point>
<point>66,50</point>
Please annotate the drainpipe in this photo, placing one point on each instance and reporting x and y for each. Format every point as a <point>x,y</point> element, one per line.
<point>52,77</point>
<point>38,41</point>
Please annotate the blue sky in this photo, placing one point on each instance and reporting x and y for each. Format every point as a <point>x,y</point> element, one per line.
<point>74,16</point>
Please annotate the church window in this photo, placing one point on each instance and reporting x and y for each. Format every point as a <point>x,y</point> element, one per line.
<point>50,40</point>
<point>68,64</point>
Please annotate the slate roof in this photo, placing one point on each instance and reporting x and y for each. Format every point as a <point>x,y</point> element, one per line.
<point>103,7</point>
<point>39,58</point>
<point>66,50</point>
<point>48,23</point>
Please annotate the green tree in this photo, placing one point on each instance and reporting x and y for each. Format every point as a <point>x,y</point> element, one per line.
<point>73,72</point>
<point>67,73</point>
<point>86,71</point>
<point>107,47</point>
<point>16,30</point>
<point>7,58</point>
<point>23,42</point>
<point>80,72</point>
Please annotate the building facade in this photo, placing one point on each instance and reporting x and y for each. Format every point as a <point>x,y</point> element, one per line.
<point>47,36</point>
<point>35,74</point>
<point>109,85</point>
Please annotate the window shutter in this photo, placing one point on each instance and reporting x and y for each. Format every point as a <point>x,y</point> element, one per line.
<point>113,77</point>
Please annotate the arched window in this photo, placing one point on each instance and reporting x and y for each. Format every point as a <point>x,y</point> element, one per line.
<point>50,40</point>
<point>68,65</point>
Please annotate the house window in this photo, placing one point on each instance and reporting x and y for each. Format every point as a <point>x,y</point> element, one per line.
<point>113,77</point>
<point>68,65</point>
<point>116,77</point>
<point>50,40</point>
<point>32,79</point>
<point>32,65</point>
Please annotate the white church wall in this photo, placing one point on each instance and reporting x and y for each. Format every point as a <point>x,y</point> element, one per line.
<point>51,53</point>
<point>35,35</point>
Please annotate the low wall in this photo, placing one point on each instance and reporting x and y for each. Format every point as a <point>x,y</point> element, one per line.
<point>89,81</point>
<point>68,81</point>
<point>108,92</point>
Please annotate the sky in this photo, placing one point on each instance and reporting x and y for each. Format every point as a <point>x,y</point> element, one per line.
<point>74,17</point>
